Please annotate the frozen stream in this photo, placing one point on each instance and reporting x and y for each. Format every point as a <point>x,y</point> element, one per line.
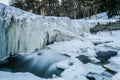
<point>70,60</point>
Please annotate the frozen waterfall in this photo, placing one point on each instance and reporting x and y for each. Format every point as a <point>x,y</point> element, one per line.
<point>24,32</point>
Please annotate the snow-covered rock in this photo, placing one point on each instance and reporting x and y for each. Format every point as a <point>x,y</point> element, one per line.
<point>114,64</point>
<point>105,40</point>
<point>74,47</point>
<point>84,26</point>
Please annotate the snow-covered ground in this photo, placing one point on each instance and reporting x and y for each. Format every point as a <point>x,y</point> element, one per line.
<point>59,36</point>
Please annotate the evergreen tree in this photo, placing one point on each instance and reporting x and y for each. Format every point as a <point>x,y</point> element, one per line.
<point>70,8</point>
<point>111,6</point>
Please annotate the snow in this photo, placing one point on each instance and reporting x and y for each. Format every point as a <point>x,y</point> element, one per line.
<point>74,68</point>
<point>108,41</point>
<point>101,16</point>
<point>73,47</point>
<point>114,64</point>
<point>116,77</point>
<point>105,40</point>
<point>17,76</point>
<point>83,25</point>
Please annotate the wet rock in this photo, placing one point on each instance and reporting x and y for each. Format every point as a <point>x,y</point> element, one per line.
<point>90,78</point>
<point>104,56</point>
<point>97,76</point>
<point>84,59</point>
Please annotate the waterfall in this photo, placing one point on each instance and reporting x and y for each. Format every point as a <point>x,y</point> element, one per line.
<point>24,32</point>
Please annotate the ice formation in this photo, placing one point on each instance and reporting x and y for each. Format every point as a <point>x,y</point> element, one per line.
<point>25,32</point>
<point>2,35</point>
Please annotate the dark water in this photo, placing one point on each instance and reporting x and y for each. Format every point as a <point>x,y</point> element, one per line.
<point>41,65</point>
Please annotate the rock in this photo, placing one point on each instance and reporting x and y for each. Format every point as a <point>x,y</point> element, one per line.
<point>104,56</point>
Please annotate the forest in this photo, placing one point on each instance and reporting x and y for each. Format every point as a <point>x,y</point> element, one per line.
<point>59,40</point>
<point>73,9</point>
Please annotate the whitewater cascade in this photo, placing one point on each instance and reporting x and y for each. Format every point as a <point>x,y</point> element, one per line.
<point>24,32</point>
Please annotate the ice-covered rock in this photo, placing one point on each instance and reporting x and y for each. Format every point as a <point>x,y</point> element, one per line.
<point>83,26</point>
<point>113,45</point>
<point>75,70</point>
<point>105,40</point>
<point>98,39</point>
<point>73,67</point>
<point>74,47</point>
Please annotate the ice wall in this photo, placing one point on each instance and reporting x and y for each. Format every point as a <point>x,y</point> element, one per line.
<point>24,32</point>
